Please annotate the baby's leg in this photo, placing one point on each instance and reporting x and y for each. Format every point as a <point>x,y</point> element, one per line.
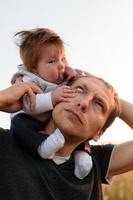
<point>51,145</point>
<point>26,130</point>
<point>83,164</point>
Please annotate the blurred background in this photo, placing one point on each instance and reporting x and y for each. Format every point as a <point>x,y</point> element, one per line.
<point>99,39</point>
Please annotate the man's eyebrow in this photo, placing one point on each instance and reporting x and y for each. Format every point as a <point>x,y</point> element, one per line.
<point>85,87</point>
<point>101,99</point>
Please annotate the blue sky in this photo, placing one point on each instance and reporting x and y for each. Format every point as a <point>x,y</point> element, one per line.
<point>98,36</point>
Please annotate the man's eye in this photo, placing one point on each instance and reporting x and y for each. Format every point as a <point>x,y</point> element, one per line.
<point>79,90</point>
<point>99,105</point>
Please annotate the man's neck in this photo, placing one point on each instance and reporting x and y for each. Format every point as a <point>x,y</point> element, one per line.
<point>69,145</point>
<point>67,149</point>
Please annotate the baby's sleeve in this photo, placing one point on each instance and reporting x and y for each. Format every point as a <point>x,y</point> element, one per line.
<point>43,103</point>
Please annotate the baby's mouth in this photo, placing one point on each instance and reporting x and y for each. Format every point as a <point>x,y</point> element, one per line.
<point>61,77</point>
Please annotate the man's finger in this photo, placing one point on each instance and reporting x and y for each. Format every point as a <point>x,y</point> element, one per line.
<point>32,99</point>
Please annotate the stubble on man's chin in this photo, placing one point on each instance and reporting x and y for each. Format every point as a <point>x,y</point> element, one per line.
<point>70,138</point>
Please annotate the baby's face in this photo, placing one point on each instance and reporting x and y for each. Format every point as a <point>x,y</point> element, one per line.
<point>52,63</point>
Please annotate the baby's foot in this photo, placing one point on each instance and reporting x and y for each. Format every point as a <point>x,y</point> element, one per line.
<point>51,145</point>
<point>83,164</point>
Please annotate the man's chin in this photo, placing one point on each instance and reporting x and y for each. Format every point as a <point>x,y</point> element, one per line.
<point>71,137</point>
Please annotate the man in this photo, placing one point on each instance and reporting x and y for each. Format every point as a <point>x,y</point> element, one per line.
<point>95,106</point>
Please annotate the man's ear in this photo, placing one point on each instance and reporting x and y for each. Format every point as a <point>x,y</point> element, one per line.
<point>97,136</point>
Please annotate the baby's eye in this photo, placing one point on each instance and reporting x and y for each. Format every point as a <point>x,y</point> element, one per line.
<point>51,61</point>
<point>64,59</point>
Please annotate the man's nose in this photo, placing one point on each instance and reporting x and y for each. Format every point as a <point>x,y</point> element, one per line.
<point>84,104</point>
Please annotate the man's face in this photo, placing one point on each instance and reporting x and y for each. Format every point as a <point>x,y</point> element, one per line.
<point>84,117</point>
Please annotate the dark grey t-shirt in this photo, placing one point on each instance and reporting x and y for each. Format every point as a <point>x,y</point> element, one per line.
<point>24,176</point>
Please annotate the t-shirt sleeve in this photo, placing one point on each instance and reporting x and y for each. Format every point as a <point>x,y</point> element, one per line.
<point>102,155</point>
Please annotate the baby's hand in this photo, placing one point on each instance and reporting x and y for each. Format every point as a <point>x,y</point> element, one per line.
<point>62,94</point>
<point>70,73</point>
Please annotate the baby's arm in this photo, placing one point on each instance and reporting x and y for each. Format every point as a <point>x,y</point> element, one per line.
<point>42,105</point>
<point>46,101</point>
<point>43,101</point>
<point>10,98</point>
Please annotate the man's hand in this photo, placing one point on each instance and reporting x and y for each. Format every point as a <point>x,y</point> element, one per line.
<point>62,94</point>
<point>10,98</point>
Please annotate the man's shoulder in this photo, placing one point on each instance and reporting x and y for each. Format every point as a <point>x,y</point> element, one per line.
<point>6,142</point>
<point>101,155</point>
<point>99,150</point>
<point>5,136</point>
<point>4,131</point>
<point>101,147</point>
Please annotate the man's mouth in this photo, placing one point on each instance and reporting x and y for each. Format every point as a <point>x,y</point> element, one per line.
<point>75,115</point>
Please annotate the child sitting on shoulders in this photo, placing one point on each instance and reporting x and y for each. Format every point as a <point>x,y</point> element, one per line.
<point>44,62</point>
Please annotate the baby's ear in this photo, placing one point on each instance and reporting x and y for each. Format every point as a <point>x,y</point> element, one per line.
<point>97,136</point>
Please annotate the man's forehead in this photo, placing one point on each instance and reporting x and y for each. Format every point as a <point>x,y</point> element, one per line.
<point>90,80</point>
<point>96,85</point>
